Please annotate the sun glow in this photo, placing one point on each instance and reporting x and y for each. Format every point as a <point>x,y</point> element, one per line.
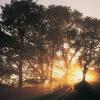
<point>58,73</point>
<point>91,76</point>
<point>74,75</point>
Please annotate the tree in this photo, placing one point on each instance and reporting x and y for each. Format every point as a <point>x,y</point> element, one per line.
<point>17,17</point>
<point>7,43</point>
<point>57,20</point>
<point>90,43</point>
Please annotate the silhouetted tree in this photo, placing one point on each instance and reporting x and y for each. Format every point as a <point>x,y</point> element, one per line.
<point>17,18</point>
<point>57,20</point>
<point>90,42</point>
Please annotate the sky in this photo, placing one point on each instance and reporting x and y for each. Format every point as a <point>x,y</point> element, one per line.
<point>87,7</point>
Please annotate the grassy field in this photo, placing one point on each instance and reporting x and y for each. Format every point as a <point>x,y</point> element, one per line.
<point>82,91</point>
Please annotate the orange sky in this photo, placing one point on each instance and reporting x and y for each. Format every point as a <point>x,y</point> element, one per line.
<point>88,7</point>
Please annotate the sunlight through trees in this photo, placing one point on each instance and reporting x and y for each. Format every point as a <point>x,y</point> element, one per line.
<point>47,44</point>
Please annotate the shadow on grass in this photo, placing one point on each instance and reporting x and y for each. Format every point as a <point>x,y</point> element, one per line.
<point>82,91</point>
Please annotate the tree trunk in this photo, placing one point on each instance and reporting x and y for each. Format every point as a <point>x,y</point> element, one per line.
<point>84,77</point>
<point>20,74</point>
<point>52,59</point>
<point>42,70</point>
<point>21,59</point>
<point>84,72</point>
<point>64,55</point>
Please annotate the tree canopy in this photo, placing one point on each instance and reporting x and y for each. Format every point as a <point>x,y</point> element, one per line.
<point>39,33</point>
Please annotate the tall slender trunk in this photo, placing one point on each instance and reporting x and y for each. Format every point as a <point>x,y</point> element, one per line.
<point>21,61</point>
<point>20,74</point>
<point>52,59</point>
<point>86,68</point>
<point>84,72</point>
<point>65,59</point>
<point>73,56</point>
<point>41,54</point>
<point>42,70</point>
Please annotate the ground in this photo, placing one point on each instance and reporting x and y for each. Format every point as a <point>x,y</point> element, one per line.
<point>83,91</point>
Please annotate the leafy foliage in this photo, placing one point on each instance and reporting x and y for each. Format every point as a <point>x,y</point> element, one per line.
<point>38,33</point>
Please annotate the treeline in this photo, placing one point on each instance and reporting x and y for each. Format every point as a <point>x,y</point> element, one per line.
<point>36,35</point>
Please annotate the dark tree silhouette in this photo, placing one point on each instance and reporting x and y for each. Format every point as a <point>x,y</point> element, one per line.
<point>17,17</point>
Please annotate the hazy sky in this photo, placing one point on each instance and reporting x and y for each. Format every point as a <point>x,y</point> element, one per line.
<point>87,7</point>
